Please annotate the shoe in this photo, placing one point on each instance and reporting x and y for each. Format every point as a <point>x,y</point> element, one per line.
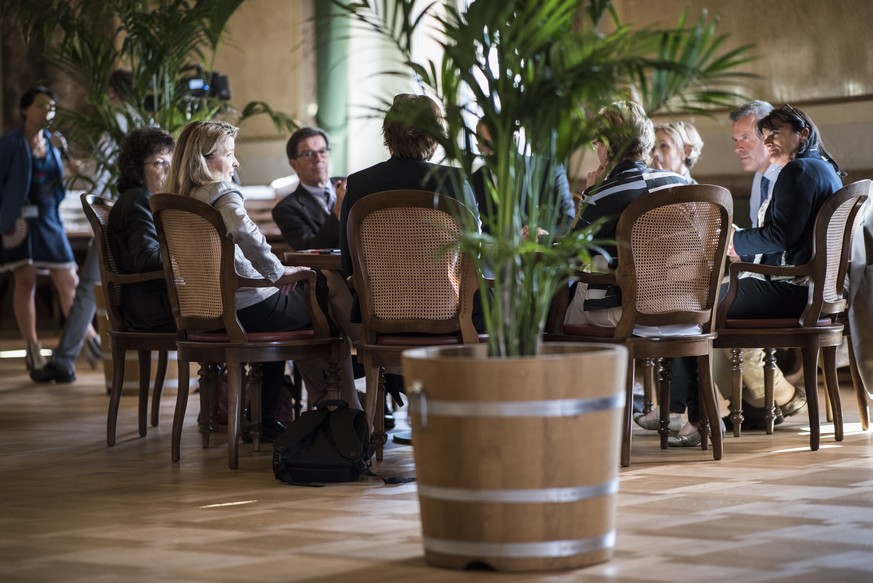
<point>93,351</point>
<point>753,417</point>
<point>652,421</point>
<point>692,440</point>
<point>51,372</point>
<point>33,357</point>
<point>390,422</point>
<point>795,405</point>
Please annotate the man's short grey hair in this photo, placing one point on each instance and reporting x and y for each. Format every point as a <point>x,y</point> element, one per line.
<point>757,108</point>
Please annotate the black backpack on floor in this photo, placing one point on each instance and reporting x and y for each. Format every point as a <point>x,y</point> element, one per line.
<point>324,446</point>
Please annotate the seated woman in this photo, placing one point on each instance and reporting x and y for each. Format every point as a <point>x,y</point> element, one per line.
<point>624,151</point>
<point>143,164</point>
<point>808,178</point>
<point>677,148</point>
<point>203,167</point>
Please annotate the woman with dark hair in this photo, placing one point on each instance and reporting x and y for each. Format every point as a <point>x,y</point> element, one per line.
<point>31,191</point>
<point>143,163</point>
<point>809,177</point>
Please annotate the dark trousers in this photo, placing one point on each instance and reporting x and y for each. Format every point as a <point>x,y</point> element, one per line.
<point>277,313</point>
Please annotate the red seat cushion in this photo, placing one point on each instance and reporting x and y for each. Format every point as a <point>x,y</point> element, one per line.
<point>765,323</point>
<point>254,336</point>
<point>401,340</point>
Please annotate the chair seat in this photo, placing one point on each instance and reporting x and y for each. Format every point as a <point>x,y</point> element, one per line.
<point>254,336</point>
<point>405,340</point>
<point>764,323</point>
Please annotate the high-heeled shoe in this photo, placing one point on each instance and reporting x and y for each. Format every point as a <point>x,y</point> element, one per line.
<point>93,351</point>
<point>692,440</point>
<point>33,357</point>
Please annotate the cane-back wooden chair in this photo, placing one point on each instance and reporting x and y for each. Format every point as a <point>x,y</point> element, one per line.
<point>121,337</point>
<point>671,254</point>
<point>414,285</point>
<point>816,329</point>
<point>199,266</point>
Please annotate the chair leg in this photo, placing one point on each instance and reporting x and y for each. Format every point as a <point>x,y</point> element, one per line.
<point>709,402</point>
<point>145,370</point>
<point>649,368</point>
<point>181,406</point>
<point>627,440</point>
<point>375,416</point>
<point>769,397</point>
<point>205,389</point>
<point>665,377</point>
<point>829,414</point>
<point>115,393</point>
<point>860,390</point>
<point>737,390</point>
<point>832,388</point>
<point>234,406</point>
<point>255,381</point>
<point>158,389</point>
<point>334,391</point>
<point>810,362</point>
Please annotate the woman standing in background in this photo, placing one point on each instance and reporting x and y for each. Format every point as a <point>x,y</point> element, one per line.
<point>31,191</point>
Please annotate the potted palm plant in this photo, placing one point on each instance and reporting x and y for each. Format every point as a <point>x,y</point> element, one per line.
<point>532,484</point>
<point>168,46</point>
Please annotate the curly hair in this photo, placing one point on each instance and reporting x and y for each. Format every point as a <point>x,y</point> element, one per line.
<point>627,131</point>
<point>411,127</point>
<point>138,146</point>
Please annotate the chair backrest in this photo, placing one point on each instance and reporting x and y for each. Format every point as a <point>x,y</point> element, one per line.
<point>671,254</point>
<point>198,265</point>
<point>832,248</point>
<point>409,273</point>
<point>96,210</point>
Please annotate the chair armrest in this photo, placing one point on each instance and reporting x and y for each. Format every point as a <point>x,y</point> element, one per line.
<point>595,278</point>
<point>788,270</point>
<point>126,278</point>
<point>307,275</point>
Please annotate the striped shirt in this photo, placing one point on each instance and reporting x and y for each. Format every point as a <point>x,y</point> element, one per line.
<point>626,182</point>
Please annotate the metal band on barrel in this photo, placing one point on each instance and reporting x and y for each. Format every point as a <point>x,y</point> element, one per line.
<point>504,496</point>
<point>558,548</point>
<point>550,408</point>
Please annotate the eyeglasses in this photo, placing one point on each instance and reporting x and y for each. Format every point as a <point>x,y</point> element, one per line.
<point>159,164</point>
<point>310,154</point>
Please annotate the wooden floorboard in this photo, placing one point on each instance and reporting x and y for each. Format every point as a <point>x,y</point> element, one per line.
<point>74,510</point>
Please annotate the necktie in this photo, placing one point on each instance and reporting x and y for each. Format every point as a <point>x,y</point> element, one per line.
<point>765,188</point>
<point>327,199</point>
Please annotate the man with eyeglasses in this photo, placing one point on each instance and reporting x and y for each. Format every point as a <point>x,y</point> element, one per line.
<point>309,216</point>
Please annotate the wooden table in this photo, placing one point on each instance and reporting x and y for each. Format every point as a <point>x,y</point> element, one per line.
<point>327,259</point>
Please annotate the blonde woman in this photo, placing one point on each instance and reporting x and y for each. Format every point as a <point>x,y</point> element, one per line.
<point>677,148</point>
<point>204,163</point>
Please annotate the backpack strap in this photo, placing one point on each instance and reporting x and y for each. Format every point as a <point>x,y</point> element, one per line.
<point>348,442</point>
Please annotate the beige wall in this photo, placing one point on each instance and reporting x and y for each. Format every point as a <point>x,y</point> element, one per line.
<point>815,54</point>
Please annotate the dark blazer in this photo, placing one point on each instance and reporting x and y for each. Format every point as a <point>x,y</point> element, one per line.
<point>396,174</point>
<point>787,235</point>
<point>16,169</point>
<point>133,240</point>
<point>303,222</point>
<point>561,194</point>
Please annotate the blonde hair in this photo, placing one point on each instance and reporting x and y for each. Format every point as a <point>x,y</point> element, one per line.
<point>198,141</point>
<point>686,137</point>
<point>627,131</point>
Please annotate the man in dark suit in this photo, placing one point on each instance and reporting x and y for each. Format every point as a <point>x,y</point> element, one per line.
<point>309,216</point>
<point>410,146</point>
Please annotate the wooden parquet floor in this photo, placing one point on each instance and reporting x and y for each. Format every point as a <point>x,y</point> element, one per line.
<point>74,510</point>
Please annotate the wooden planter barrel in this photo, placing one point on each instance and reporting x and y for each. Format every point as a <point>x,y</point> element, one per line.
<point>517,459</point>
